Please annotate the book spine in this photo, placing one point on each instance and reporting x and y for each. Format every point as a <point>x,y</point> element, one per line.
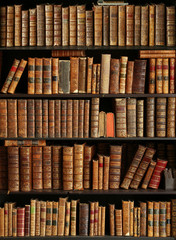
<point>57,167</point>
<point>38,76</point>
<point>10,26</point>
<point>31,118</point>
<point>78,166</point>
<point>73,217</point>
<point>105,73</point>
<point>94,78</point>
<point>83,219</point>
<point>17,25</point>
<point>98,78</point>
<point>47,76</point>
<point>152,70</point>
<point>138,221</point>
<point>166,75</point>
<point>75,118</point>
<point>69,118</point>
<point>135,222</point>
<point>168,219</point>
<point>67,168</point>
<point>6,219</point>
<point>121,121</point>
<point>121,25</point>
<point>91,226</point>
<point>96,206</point>
<point>57,25</point>
<point>72,25</point>
<point>172,75</point>
<point>55,75</point>
<point>81,25</point>
<point>171,117</point>
<point>106,172</point>
<point>131,217</point>
<point>31,75</point>
<point>33,217</point>
<point>40,25</point>
<point>161,117</point>
<point>170,26</point>
<point>123,73</point>
<point>129,25</point>
<point>33,27</point>
<point>150,219</point>
<point>61,216</point>
<point>81,119</point>
<point>112,219</point>
<point>25,28</point>
<point>3,26</point>
<point>130,71</point>
<point>95,175</point>
<point>103,216</point>
<point>3,118</point>
<point>14,222</point>
<point>88,154</point>
<point>100,172</point>
<point>156,217</point>
<point>140,118</point>
<point>49,12</point>
<point>74,74</point>
<point>54,218</point>
<point>89,28</point>
<point>131,117</point>
<point>113,25</point>
<point>38,118</point>
<point>43,218</point>
<point>57,118</point>
<point>47,172</point>
<point>37,168</point>
<point>12,117</point>
<point>105,27</point>
<point>22,118</point>
<point>150,116</point>
<point>143,219</point>
<point>20,222</point>
<point>10,219</point>
<point>148,175</point>
<point>65,26</point>
<point>45,117</point>
<point>94,117</point>
<point>139,76</point>
<point>27,220</point>
<point>67,218</point>
<point>162,219</point>
<point>64,118</point>
<point>37,223</point>
<point>144,25</point>
<point>13,169</point>
<point>137,25</point>
<point>49,210</point>
<point>89,73</point>
<point>98,25</point>
<point>86,118</point>
<point>114,76</point>
<point>160,25</point>
<point>151,25</point>
<point>99,221</point>
<point>51,119</point>
<point>126,217</point>
<point>118,222</point>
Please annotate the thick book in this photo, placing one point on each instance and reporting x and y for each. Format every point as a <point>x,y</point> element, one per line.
<point>139,76</point>
<point>83,219</point>
<point>170,26</point>
<point>64,76</point>
<point>13,169</point>
<point>37,168</point>
<point>37,223</point>
<point>100,171</point>
<point>105,73</point>
<point>160,24</point>
<point>81,25</point>
<point>126,218</point>
<point>68,168</point>
<point>65,26</point>
<point>143,219</point>
<point>20,221</point>
<point>110,125</point>
<point>130,25</point>
<point>113,10</point>
<point>114,76</point>
<point>57,41</point>
<point>121,120</point>
<point>86,118</point>
<point>97,25</point>
<point>3,118</point>
<point>41,24</point>
<point>162,219</point>
<point>156,217</point>
<point>168,219</point>
<point>64,118</point>
<point>12,118</point>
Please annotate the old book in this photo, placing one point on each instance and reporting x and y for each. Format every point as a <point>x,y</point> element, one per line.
<point>166,75</point>
<point>100,172</point>
<point>170,26</point>
<point>121,25</point>
<point>74,74</point>
<point>173,219</point>
<point>47,76</point>
<point>81,119</point>
<point>112,219</point>
<point>73,217</point>
<point>150,219</point>
<point>105,73</point>
<point>113,25</point>
<point>57,167</point>
<point>43,218</point>
<point>33,217</point>
<point>114,76</point>
<point>109,125</point>
<point>10,76</point>
<point>142,168</point>
<point>89,73</point>
<point>97,25</point>
<point>135,222</point>
<point>106,163</point>
<point>137,25</point>
<point>57,118</point>
<point>98,78</point>
<point>139,76</point>
<point>118,222</point>
<point>67,218</point>
<point>133,167</point>
<point>27,220</point>
<point>37,222</point>
<point>172,76</point>
<point>68,53</point>
<point>72,25</point>
<point>2,222</point>
<point>89,28</point>
<point>47,166</point>
<point>131,117</point>
<point>129,25</point>
<point>151,25</point>
<point>123,74</point>
<point>67,168</point>
<point>130,72</point>
<point>41,24</point>
<point>94,78</point>
<point>65,26</point>
<point>75,117</point>
<point>10,26</point>
<point>82,75</point>
<point>25,28</point>
<point>81,25</point>
<point>38,75</point>
<point>37,168</point>
<point>22,118</point>
<point>69,120</point>
<point>94,117</point>
<point>102,124</point>
<point>126,217</point>
<point>51,119</point>
<point>168,219</point>
<point>150,116</point>
<point>88,155</point>
<point>138,221</point>
<point>160,24</point>
<point>3,118</point>
<point>92,213</point>
<point>31,118</point>
<point>83,219</point>
<point>96,206</point>
<point>161,117</point>
<point>31,75</point>
<point>57,41</point>
<point>38,118</point>
<point>171,117</point>
<point>3,168</point>
<point>10,220</point>
<point>121,121</point>
<point>16,143</point>
<point>78,166</point>
<point>144,25</point>
<point>143,219</point>
<point>13,169</point>
<point>95,175</point>
<point>148,175</point>
<point>45,117</point>
<point>14,222</point>
<point>6,218</point>
<point>64,118</point>
<point>12,118</point>
<point>140,118</point>
<point>156,216</point>
<point>103,216</point>
<point>33,27</point>
<point>162,219</point>
<point>152,69</point>
<point>64,76</point>
<point>105,28</point>
<point>61,216</point>
<point>49,209</point>
<point>99,221</point>
<point>3,26</point>
<point>86,118</point>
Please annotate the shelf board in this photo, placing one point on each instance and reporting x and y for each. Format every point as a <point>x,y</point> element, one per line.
<point>92,238</point>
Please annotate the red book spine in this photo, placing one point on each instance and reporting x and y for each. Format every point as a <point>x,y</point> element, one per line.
<point>20,221</point>
<point>27,220</point>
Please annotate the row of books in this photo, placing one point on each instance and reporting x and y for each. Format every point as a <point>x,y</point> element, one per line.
<point>54,25</point>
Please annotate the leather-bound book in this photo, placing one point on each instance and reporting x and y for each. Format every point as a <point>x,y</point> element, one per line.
<point>89,73</point>
<point>123,73</point>
<point>14,222</point>
<point>173,218</point>
<point>55,75</point>
<point>100,172</point>
<point>92,213</point>
<point>12,118</point>
<point>121,121</point>
<point>81,25</point>
<point>103,216</point>
<point>89,28</point>
<point>57,41</point>
<point>27,220</point>
<point>143,219</point>
<point>73,217</point>
<point>41,24</point>
<point>57,167</point>
<point>131,218</point>
<point>151,25</point>
<point>98,78</point>
<point>3,118</point>
<point>10,76</point>
<point>20,221</point>
<point>126,217</point>
<point>94,78</point>
<point>37,168</point>
<point>45,118</point>
<point>156,217</point>
<point>106,172</point>
<point>168,219</point>
<point>152,63</point>
<point>82,75</point>
<point>31,118</point>
<point>67,218</point>
<point>94,117</point>
<point>86,118</point>
<point>67,168</point>
<point>37,223</point>
<point>96,206</point>
<point>3,168</point>
<point>38,76</point>
<point>138,221</point>
<point>22,118</point>
<point>115,166</point>
<point>142,168</point>
<point>25,169</point>
<point>150,116</point>
<point>78,166</point>
<point>106,25</point>
<point>161,117</point>
<point>133,167</point>
<point>172,75</point>
<point>2,222</point>
<point>72,25</point>
<point>99,221</point>
<point>114,76</point>
<point>3,26</point>
<point>105,73</point>
<point>49,209</point>
<point>139,76</point>
<point>47,167</point>
<point>148,175</point>
<point>38,118</point>
<point>170,26</point>
<point>121,25</point>
<point>61,216</point>
<point>69,118</point>
<point>102,124</point>
<point>17,76</point>
<point>144,25</point>
<point>10,219</point>
<point>160,24</point>
<point>137,25</point>
<point>171,117</point>
<point>31,75</point>
<point>98,15</point>
<point>54,218</point>
<point>25,28</point>
<point>83,219</point>
<point>130,72</point>
<point>33,27</point>
<point>13,169</point>
<point>51,119</point>
<point>150,219</point>
<point>113,25</point>
<point>64,76</point>
<point>112,219</point>
<point>17,25</point>
<point>75,117</point>
<point>95,175</point>
<point>74,74</point>
<point>57,118</point>
<point>49,12</point>
<point>156,177</point>
<point>140,118</point>
<point>65,26</point>
<point>10,26</point>
<point>88,155</point>
<point>118,222</point>
<point>135,222</point>
<point>47,76</point>
<point>64,119</point>
<point>131,117</point>
<point>81,119</point>
<point>129,25</point>
<point>109,125</point>
<point>166,75</point>
<point>43,218</point>
<point>162,219</point>
<point>16,143</point>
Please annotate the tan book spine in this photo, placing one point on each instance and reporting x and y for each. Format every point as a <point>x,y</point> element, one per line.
<point>121,25</point>
<point>55,75</point>
<point>130,71</point>
<point>97,25</point>
<point>89,28</point>
<point>113,25</point>
<point>129,25</point>
<point>151,25</point>
<point>10,26</point>
<point>168,219</point>
<point>131,217</point>
<point>150,219</point>
<point>12,117</point>
<point>94,78</point>
<point>171,117</point>
<point>126,217</point>
<point>114,76</point>
<point>118,222</point>
<point>57,25</point>
<point>82,75</point>
<point>51,118</point>
<point>75,117</point>
<point>57,118</point>
<point>140,118</point>
<point>45,119</point>
<point>18,25</point>
<point>67,168</point>
<point>69,118</point>
<point>38,76</point>
<point>81,25</point>
<point>6,219</point>
<point>61,216</point>
<point>150,116</point>
<point>143,219</point>
<point>49,12</point>
<point>95,175</point>
<point>112,219</point>
<point>65,26</point>
<point>152,75</point>
<point>99,221</point>
<point>144,25</point>
<point>91,226</point>
<point>25,28</point>
<point>33,217</point>
<point>162,219</point>
<point>22,118</point>
<point>103,216</point>
<point>121,120</point>
<point>98,78</point>
<point>33,27</point>
<point>106,173</point>
<point>13,169</point>
<point>41,25</point>
<point>43,218</point>
<point>105,73</point>
<point>2,222</point>
<point>94,117</point>
<point>47,173</point>
<point>74,74</point>
<point>72,25</point>
<point>131,117</point>
<point>78,166</point>
<point>89,73</point>
<point>86,118</point>
<point>137,25</point>
<point>67,218</point>
<point>96,206</point>
<point>73,217</point>
<point>37,168</point>
<point>148,175</point>
<point>123,73</point>
<point>37,223</point>
<point>172,76</point>
<point>156,215</point>
<point>3,118</point>
<point>81,119</point>
<point>49,209</point>
<point>161,117</point>
<point>64,118</point>
<point>100,172</point>
<point>54,218</point>
<point>47,76</point>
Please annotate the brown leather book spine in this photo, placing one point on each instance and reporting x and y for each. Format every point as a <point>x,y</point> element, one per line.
<point>129,25</point>
<point>170,26</point>
<point>137,25</point>
<point>94,78</point>
<point>10,26</point>
<point>81,25</point>
<point>65,26</point>
<point>171,117</point>
<point>75,117</point>
<point>144,25</point>
<point>89,28</point>
<point>37,223</point>
<point>72,25</point>
<point>113,25</point>
<point>114,76</point>
<point>25,169</point>
<point>10,220</point>
<point>123,73</point>
<point>156,216</point>
<point>152,69</point>
<point>22,118</point>
<point>166,75</point>
<point>57,118</point>
<point>94,117</point>
<point>148,174</point>
<point>55,218</point>
<point>57,25</point>
<point>106,25</point>
<point>17,25</point>
<point>31,118</point>
<point>57,167</point>
<point>88,154</point>
<point>74,74</point>
<point>161,117</point>
<point>115,166</point>
<point>130,72</point>
<point>112,219</point>
<point>135,222</point>
<point>118,222</point>
<point>81,119</point>
<point>49,209</point>
<point>151,25</point>
<point>64,118</point>
<point>49,24</point>
<point>38,118</point>
<point>47,167</point>
<point>37,168</point>
<point>3,168</point>
<point>160,25</point>
<point>121,121</point>
<point>67,218</point>
<point>51,119</point>
<point>61,216</point>
<point>105,73</point>
<point>121,25</point>
<point>45,118</point>
<point>86,118</point>
<point>172,76</point>
<point>100,172</point>
<point>98,25</point>
<point>78,166</point>
<point>73,217</point>
<point>168,219</point>
<point>12,118</point>
<point>126,217</point>
<point>82,75</point>
<point>89,73</point>
<point>106,172</point>
<point>6,219</point>
<point>25,28</point>
<point>47,76</point>
<point>55,75</point>
<point>3,26</point>
<point>33,27</point>
<point>150,116</point>
<point>96,206</point>
<point>38,76</point>
<point>162,219</point>
<point>3,118</point>
<point>13,169</point>
<point>31,75</point>
<point>67,168</point>
<point>83,219</point>
<point>131,218</point>
<point>95,175</point>
<point>69,118</point>
<point>98,78</point>
<point>43,218</point>
<point>103,216</point>
<point>139,76</point>
<point>92,213</point>
<point>131,117</point>
<point>40,25</point>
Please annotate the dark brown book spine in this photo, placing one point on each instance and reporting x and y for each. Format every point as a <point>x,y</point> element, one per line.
<point>114,76</point>
<point>105,25</point>
<point>69,133</point>
<point>51,119</point>
<point>57,25</point>
<point>22,118</point>
<point>49,12</point>
<point>31,118</point>
<point>81,119</point>
<point>45,118</point>
<point>38,118</point>
<point>160,25</point>
<point>81,25</point>
<point>89,28</point>
<point>10,26</point>
<point>47,167</point>
<point>40,25</point>
<point>12,118</point>
<point>3,26</point>
<point>27,220</point>
<point>75,117</point>
<point>57,118</point>
<point>113,25</point>
<point>139,76</point>
<point>13,169</point>
<point>83,219</point>
<point>137,25</point>
<point>3,169</point>
<point>64,119</point>
<point>3,118</point>
<point>37,168</point>
<point>47,76</point>
<point>57,167</point>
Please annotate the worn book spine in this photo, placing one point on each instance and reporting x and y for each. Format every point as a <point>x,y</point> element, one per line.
<point>152,72</point>
<point>65,26</point>
<point>130,72</point>
<point>143,219</point>
<point>138,221</point>
<point>10,26</point>
<point>131,218</point>
<point>112,219</point>
<point>37,223</point>
<point>74,74</point>
<point>31,118</point>
<point>37,168</point>
<point>67,168</point>
<point>57,118</point>
<point>22,118</point>
<point>151,25</point>
<point>86,118</point>
<point>99,221</point>
<point>129,25</point>
<point>81,25</point>
<point>168,219</point>
<point>95,175</point>
<point>171,117</point>
<point>135,222</point>
<point>103,216</point>
<point>150,219</point>
<point>98,14</point>
<point>64,76</point>
<point>89,73</point>
<point>72,25</point>
<point>170,26</point>
<point>13,169</point>
<point>113,25</point>
<point>100,172</point>
<point>73,217</point>
<point>137,25</point>
<point>3,118</point>
<point>38,118</point>
<point>78,166</point>
<point>150,117</point>
<point>55,75</point>
<point>121,121</point>
<point>54,218</point>
<point>3,26</point>
<point>14,222</point>
<point>40,25</point>
<point>140,118</point>
<point>69,130</point>
<point>6,219</point>
<point>12,118</point>
<point>57,31</point>
<point>88,154</point>
<point>162,219</point>
<point>121,25</point>
<point>45,118</point>
<point>106,172</point>
<point>131,117</point>
<point>83,219</point>
<point>64,118</point>
<point>91,225</point>
<point>105,27</point>
<point>148,175</point>
<point>144,25</point>
<point>31,75</point>
<point>75,118</point>
<point>161,117</point>
<point>118,222</point>
<point>172,76</point>
<point>82,75</point>
<point>105,73</point>
<point>94,78</point>
<point>49,210</point>
<point>165,75</point>
<point>67,218</point>
<point>114,76</point>
<point>94,117</point>
<point>173,219</point>
<point>160,24</point>
<point>25,28</point>
<point>81,119</point>
<point>33,217</point>
<point>51,119</point>
<point>33,27</point>
<point>89,28</point>
<point>3,168</point>
<point>139,76</point>
<point>43,218</point>
<point>10,219</point>
<point>47,172</point>
<point>156,217</point>
<point>126,218</point>
<point>57,167</point>
<point>17,25</point>
<point>47,76</point>
<point>49,12</point>
<point>96,206</point>
<point>38,75</point>
<point>27,220</point>
<point>123,74</point>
